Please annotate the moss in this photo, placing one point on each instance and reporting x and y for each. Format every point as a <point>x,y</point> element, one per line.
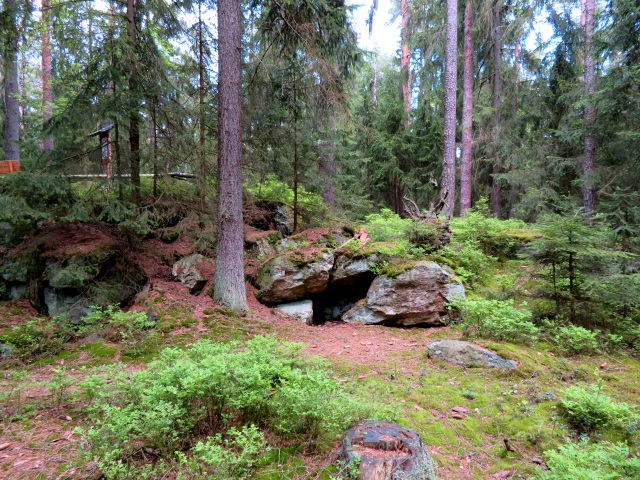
<point>394,268</point>
<point>169,237</point>
<point>101,350</point>
<point>349,230</point>
<point>524,234</point>
<point>187,322</point>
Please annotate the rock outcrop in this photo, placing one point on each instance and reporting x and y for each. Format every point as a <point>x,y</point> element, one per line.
<point>386,451</point>
<point>466,354</point>
<point>349,271</point>
<point>417,296</point>
<point>302,310</point>
<point>293,276</point>
<point>191,272</point>
<point>70,267</point>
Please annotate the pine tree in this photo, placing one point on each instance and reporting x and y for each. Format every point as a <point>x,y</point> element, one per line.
<point>229,287</point>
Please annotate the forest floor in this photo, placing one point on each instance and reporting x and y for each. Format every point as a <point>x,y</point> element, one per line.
<point>387,366</point>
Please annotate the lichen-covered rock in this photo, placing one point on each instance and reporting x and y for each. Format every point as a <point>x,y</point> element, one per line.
<point>466,354</point>
<point>349,270</point>
<point>302,310</point>
<point>68,268</point>
<point>262,244</point>
<point>294,275</point>
<point>189,270</point>
<point>417,296</point>
<point>386,451</point>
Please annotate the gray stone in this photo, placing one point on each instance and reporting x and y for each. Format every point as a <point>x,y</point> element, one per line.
<point>466,354</point>
<point>59,302</point>
<point>302,310</point>
<point>15,272</point>
<point>386,451</point>
<point>282,220</point>
<point>263,244</point>
<point>350,270</point>
<point>415,297</point>
<point>286,278</point>
<point>6,351</point>
<point>189,274</point>
<point>17,292</point>
<point>152,316</point>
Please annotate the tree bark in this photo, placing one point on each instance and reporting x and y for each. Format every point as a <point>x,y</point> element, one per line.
<point>229,287</point>
<point>467,112</point>
<point>328,167</point>
<point>514,110</point>
<point>405,64</point>
<point>153,138</point>
<point>47,95</point>
<point>496,190</point>
<point>448,191</point>
<point>588,189</point>
<point>202,176</point>
<point>11,91</point>
<point>134,120</point>
<point>375,80</point>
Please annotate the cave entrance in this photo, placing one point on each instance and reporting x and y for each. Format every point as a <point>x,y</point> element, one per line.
<point>340,297</point>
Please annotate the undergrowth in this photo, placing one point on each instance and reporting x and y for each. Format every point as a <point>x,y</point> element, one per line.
<point>208,402</point>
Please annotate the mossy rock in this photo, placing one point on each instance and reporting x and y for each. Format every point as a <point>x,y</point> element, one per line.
<point>294,275</point>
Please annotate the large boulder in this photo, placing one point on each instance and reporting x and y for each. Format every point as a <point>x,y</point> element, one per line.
<point>417,296</point>
<point>192,272</point>
<point>386,451</point>
<point>351,270</point>
<point>262,244</point>
<point>294,275</point>
<point>468,355</point>
<point>302,310</point>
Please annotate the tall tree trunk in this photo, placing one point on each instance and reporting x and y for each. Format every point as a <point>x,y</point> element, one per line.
<point>47,95</point>
<point>202,174</point>
<point>514,110</point>
<point>496,191</point>
<point>467,112</point>
<point>588,189</point>
<point>328,166</point>
<point>118,161</point>
<point>448,191</point>
<point>228,283</point>
<point>11,91</point>
<point>375,80</point>
<point>153,138</point>
<point>296,160</point>
<point>405,61</point>
<point>134,118</point>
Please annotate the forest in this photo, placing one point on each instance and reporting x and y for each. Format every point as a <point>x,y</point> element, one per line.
<point>232,239</point>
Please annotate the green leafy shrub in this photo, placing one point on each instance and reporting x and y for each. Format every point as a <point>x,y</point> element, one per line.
<point>132,329</point>
<point>404,234</point>
<point>311,206</point>
<point>387,226</point>
<point>587,408</point>
<point>233,457</point>
<point>36,338</point>
<point>585,461</point>
<point>492,236</point>
<point>575,340</point>
<point>495,319</point>
<point>210,388</point>
<point>469,263</point>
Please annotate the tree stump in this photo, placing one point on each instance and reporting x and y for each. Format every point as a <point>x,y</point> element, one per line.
<point>386,451</point>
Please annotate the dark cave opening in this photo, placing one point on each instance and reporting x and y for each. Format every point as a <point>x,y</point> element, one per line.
<point>340,297</point>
